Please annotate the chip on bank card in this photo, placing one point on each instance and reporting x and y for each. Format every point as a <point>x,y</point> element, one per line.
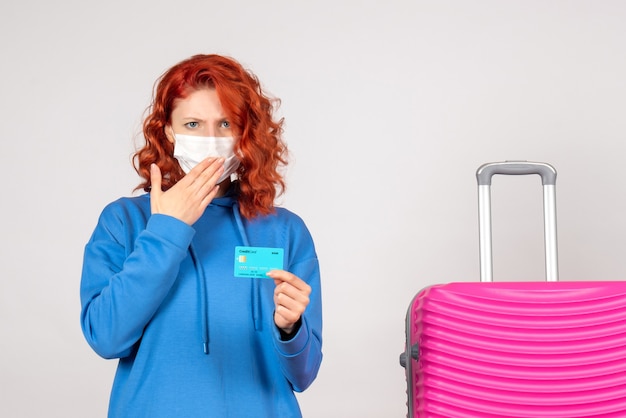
<point>257,261</point>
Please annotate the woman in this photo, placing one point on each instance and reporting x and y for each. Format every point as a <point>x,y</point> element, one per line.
<point>162,286</point>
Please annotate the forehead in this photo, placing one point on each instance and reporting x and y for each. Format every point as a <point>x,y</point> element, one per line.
<point>198,102</point>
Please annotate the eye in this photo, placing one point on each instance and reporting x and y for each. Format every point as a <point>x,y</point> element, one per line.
<point>225,124</point>
<point>192,125</point>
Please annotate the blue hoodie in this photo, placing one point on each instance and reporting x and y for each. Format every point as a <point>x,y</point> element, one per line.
<point>192,339</point>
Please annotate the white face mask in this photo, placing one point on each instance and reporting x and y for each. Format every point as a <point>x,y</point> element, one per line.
<point>190,150</point>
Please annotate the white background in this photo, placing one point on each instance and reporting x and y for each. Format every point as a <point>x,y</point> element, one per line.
<point>390,108</point>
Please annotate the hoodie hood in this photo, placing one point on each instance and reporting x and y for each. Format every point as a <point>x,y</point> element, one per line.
<point>229,200</point>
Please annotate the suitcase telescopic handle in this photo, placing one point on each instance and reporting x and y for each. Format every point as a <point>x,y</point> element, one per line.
<point>548,179</point>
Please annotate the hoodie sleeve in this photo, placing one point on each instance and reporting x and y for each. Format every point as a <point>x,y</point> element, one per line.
<point>301,356</point>
<point>127,275</point>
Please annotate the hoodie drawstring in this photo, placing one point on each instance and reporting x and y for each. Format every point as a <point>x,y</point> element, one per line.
<point>256,289</point>
<point>204,298</point>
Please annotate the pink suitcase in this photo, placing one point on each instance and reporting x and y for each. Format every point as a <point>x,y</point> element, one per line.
<point>539,349</point>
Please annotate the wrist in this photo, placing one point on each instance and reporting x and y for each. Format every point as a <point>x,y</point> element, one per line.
<point>287,333</point>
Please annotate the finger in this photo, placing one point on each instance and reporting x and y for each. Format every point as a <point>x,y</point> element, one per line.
<point>286,324</point>
<point>290,308</point>
<point>288,313</point>
<point>155,188</point>
<point>210,196</point>
<point>202,165</point>
<point>289,301</point>
<point>285,276</point>
<point>290,290</point>
<point>285,319</point>
<point>205,184</point>
<point>287,295</point>
<point>207,170</point>
<point>155,178</point>
<point>191,178</point>
<point>281,276</point>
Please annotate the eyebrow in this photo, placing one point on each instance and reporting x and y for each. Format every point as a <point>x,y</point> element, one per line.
<point>198,118</point>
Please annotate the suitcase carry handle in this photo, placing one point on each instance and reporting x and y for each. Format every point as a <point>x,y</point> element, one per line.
<point>548,179</point>
<point>546,171</point>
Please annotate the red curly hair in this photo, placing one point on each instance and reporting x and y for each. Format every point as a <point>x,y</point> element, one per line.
<point>250,112</point>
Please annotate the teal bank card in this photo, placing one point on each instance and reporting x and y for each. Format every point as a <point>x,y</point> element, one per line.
<point>257,261</point>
